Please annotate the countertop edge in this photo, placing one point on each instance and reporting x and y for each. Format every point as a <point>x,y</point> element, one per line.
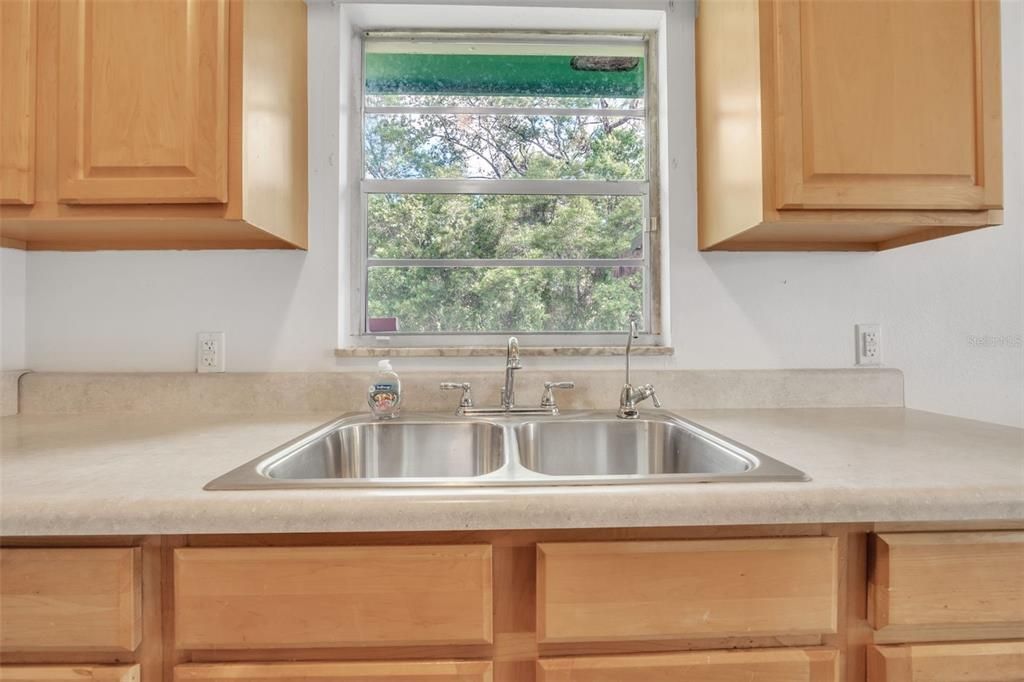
<point>938,507</point>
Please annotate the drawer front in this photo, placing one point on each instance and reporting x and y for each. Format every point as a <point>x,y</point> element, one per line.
<point>69,673</point>
<point>285,597</point>
<point>71,599</point>
<point>391,671</point>
<point>947,579</point>
<point>974,662</point>
<point>600,591</point>
<point>774,665</point>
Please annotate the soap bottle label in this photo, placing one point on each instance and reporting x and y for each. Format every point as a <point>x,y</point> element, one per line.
<point>383,399</point>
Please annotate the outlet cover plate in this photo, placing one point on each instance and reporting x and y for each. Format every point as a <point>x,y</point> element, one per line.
<point>210,351</point>
<point>869,345</point>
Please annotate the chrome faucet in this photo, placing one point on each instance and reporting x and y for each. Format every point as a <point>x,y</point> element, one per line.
<point>547,406</point>
<point>508,391</point>
<point>630,395</point>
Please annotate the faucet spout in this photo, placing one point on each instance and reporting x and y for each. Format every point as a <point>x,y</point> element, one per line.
<point>631,395</point>
<point>634,318</point>
<point>508,391</point>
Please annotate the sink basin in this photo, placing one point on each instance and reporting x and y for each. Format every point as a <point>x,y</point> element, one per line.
<point>362,451</point>
<point>582,448</point>
<point>618,447</point>
<point>395,450</point>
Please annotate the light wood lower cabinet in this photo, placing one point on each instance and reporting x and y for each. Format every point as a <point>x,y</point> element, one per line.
<point>392,671</point>
<point>601,605</point>
<point>975,662</point>
<point>771,665</point>
<point>601,591</point>
<point>69,673</point>
<point>280,597</point>
<point>924,582</point>
<point>70,599</point>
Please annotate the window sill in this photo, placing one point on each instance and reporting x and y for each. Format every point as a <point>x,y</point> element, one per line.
<point>496,351</point>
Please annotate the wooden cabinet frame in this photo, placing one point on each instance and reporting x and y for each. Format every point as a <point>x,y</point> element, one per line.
<point>516,649</point>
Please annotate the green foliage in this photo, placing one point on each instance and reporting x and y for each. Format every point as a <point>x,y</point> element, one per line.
<point>478,299</point>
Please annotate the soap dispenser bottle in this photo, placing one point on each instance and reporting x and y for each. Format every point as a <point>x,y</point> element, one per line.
<point>385,392</point>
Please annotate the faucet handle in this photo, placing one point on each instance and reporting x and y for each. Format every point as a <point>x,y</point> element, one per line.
<point>465,387</point>
<point>548,399</point>
<point>647,391</point>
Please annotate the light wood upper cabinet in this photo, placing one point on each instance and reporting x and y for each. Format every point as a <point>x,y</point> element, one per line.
<point>143,101</point>
<point>18,31</point>
<point>888,105</point>
<point>847,125</point>
<point>154,124</point>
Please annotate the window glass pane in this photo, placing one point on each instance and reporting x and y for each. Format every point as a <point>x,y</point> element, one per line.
<point>505,101</point>
<point>551,110</point>
<point>504,226</point>
<point>498,299</point>
<point>502,146</point>
<point>487,67</point>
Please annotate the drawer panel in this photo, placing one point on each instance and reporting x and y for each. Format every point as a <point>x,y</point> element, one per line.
<point>393,671</point>
<point>293,597</point>
<point>600,591</point>
<point>974,662</point>
<point>774,665</point>
<point>71,599</point>
<point>69,673</point>
<point>946,579</point>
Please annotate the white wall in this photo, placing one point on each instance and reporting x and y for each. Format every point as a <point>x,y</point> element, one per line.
<point>940,297</point>
<point>12,309</point>
<point>128,311</point>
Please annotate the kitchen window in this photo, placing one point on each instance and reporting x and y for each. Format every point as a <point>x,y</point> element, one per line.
<point>506,185</point>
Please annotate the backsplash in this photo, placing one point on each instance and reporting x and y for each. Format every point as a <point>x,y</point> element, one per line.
<point>284,393</point>
<point>9,391</point>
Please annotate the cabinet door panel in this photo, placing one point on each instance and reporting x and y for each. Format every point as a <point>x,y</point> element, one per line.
<point>17,101</point>
<point>888,104</point>
<point>383,671</point>
<point>265,597</point>
<point>70,599</point>
<point>951,580</point>
<point>771,665</point>
<point>607,591</point>
<point>69,673</point>
<point>143,101</point>
<point>981,662</point>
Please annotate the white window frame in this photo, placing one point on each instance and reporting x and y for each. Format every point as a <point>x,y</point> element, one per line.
<point>650,260</point>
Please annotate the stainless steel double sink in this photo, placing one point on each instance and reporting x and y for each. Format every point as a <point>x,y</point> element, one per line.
<point>579,448</point>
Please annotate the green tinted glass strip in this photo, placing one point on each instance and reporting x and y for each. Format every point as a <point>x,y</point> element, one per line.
<point>511,75</point>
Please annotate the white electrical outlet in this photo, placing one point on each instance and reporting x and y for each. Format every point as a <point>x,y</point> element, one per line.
<point>210,351</point>
<point>869,345</point>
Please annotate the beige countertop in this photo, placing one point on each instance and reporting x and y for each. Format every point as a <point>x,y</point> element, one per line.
<point>144,474</point>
